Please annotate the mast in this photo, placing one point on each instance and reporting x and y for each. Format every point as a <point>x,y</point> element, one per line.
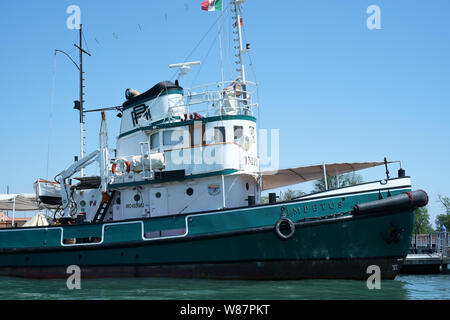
<point>238,27</point>
<point>81,98</point>
<point>237,24</point>
<point>80,105</point>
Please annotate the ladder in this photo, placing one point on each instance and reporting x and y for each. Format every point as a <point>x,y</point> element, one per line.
<point>103,208</point>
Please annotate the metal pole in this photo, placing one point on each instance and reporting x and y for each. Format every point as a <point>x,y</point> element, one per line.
<point>81,99</point>
<point>446,243</point>
<point>241,49</point>
<point>223,192</point>
<point>325,176</point>
<point>14,211</point>
<point>241,54</point>
<point>220,50</point>
<point>81,106</point>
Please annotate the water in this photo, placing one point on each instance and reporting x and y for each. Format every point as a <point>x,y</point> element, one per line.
<point>404,287</point>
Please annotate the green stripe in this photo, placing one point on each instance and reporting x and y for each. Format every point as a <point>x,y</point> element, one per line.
<point>192,176</point>
<point>218,5</point>
<point>159,125</point>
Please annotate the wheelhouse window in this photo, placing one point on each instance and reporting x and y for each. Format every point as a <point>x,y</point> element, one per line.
<point>172,137</point>
<point>154,140</point>
<point>252,133</point>
<point>219,134</point>
<point>238,133</point>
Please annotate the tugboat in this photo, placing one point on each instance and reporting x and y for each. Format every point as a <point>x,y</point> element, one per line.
<point>181,197</point>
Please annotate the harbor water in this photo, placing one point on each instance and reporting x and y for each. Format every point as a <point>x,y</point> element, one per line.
<point>404,287</point>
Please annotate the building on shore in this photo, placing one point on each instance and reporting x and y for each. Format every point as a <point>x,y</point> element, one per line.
<point>6,221</point>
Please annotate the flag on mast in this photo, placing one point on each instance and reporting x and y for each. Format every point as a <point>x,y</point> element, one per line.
<point>212,5</point>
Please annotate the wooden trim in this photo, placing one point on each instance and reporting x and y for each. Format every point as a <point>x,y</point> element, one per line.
<point>201,145</point>
<point>45,181</point>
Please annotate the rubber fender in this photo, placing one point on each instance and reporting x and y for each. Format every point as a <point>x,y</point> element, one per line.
<point>404,201</point>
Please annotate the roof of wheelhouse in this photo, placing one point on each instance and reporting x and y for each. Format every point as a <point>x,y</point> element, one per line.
<point>164,86</point>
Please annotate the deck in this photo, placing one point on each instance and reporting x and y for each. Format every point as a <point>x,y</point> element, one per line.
<point>429,253</point>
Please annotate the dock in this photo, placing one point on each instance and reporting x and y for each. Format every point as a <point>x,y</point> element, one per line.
<point>429,253</point>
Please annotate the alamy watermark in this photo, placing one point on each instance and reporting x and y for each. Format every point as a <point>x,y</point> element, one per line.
<point>374,280</point>
<point>374,20</point>
<point>74,280</point>
<point>214,151</point>
<point>74,20</point>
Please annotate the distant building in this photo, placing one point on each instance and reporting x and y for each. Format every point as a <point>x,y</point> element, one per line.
<point>6,222</point>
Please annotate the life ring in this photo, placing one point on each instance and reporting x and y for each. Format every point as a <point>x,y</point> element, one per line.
<point>281,235</point>
<point>120,167</point>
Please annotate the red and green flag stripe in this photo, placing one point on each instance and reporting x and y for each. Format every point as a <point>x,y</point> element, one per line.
<point>212,5</point>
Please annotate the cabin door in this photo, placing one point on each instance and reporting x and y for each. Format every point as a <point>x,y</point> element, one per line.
<point>158,202</point>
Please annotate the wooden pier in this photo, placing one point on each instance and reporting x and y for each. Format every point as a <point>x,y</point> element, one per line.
<point>429,253</point>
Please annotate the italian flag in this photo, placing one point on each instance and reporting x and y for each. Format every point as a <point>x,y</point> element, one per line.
<point>212,5</point>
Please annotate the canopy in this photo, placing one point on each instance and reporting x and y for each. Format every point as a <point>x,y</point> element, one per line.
<point>287,177</point>
<point>39,220</point>
<point>19,202</point>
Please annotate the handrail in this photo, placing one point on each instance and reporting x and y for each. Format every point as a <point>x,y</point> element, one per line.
<point>438,242</point>
<point>221,98</point>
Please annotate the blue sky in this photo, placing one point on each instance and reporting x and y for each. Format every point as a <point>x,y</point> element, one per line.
<point>337,91</point>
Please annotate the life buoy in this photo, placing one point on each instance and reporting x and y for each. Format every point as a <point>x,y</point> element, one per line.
<point>281,235</point>
<point>120,167</point>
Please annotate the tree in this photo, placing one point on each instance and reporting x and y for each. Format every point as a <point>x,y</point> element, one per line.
<point>264,199</point>
<point>443,219</point>
<point>287,195</point>
<point>291,194</point>
<point>339,181</point>
<point>422,223</point>
<point>445,201</point>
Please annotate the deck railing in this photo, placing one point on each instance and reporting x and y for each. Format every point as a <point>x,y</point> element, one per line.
<point>220,98</point>
<point>431,243</point>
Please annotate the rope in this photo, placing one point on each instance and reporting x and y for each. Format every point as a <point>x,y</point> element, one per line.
<point>85,42</point>
<point>52,102</point>
<point>103,131</point>
<point>221,50</point>
<point>204,59</point>
<point>201,40</point>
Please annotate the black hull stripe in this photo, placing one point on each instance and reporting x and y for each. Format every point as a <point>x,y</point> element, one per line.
<point>218,262</point>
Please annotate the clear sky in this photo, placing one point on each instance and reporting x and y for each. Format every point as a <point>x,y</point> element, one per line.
<point>337,91</point>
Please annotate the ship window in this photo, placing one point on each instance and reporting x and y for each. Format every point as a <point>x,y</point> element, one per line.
<point>238,133</point>
<point>219,134</point>
<point>172,137</point>
<point>252,133</point>
<point>154,140</point>
<point>190,191</point>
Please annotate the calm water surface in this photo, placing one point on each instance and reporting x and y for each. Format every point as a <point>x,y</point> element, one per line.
<point>404,287</point>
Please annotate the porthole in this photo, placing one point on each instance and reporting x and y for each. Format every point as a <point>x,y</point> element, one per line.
<point>137,197</point>
<point>247,186</point>
<point>158,195</point>
<point>190,191</point>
